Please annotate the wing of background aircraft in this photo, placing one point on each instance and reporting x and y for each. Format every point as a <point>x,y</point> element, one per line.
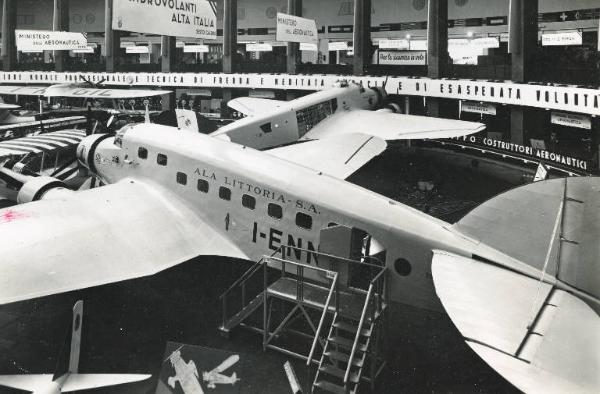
<point>79,91</point>
<point>5,107</point>
<point>338,156</point>
<point>251,106</point>
<point>46,142</point>
<point>541,332</point>
<point>105,235</point>
<point>391,126</point>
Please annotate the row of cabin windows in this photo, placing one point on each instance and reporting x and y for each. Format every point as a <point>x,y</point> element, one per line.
<point>274,210</point>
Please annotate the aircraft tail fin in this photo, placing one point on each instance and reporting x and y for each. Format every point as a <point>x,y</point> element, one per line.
<point>76,337</point>
<point>552,226</point>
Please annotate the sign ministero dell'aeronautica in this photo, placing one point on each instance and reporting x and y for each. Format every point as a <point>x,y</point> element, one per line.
<point>181,18</point>
<point>44,40</point>
<point>292,28</point>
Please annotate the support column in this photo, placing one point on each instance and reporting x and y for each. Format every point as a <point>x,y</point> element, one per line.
<point>437,49</point>
<point>229,35</point>
<point>522,45</point>
<point>229,48</point>
<point>112,38</point>
<point>60,22</point>
<point>294,7</point>
<point>167,50</point>
<point>362,35</point>
<point>9,24</point>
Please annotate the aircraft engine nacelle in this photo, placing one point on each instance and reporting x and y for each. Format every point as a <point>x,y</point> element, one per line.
<point>87,149</point>
<point>42,187</point>
<point>52,388</point>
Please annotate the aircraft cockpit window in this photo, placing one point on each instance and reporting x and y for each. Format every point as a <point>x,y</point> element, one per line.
<point>161,159</point>
<point>142,153</point>
<point>303,220</point>
<point>248,201</point>
<point>182,178</point>
<point>224,193</point>
<point>275,211</point>
<point>202,186</point>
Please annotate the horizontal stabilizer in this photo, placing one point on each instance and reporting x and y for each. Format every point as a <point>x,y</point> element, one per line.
<point>26,382</point>
<point>123,231</point>
<point>539,338</point>
<point>392,126</point>
<point>251,106</point>
<point>76,382</point>
<point>338,156</point>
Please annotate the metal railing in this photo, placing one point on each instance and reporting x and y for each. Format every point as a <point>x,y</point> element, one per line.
<point>377,288</point>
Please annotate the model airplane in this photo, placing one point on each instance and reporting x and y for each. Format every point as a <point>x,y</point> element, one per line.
<point>345,109</point>
<point>70,380</point>
<point>186,374</point>
<point>215,376</point>
<point>169,200</point>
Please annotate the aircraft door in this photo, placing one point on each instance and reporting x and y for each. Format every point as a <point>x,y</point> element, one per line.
<point>353,244</point>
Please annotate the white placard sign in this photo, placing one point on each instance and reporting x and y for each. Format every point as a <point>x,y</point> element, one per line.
<point>418,45</point>
<point>125,44</point>
<point>259,47</point>
<point>137,49</point>
<point>306,46</point>
<point>478,108</point>
<point>541,173</point>
<point>179,44</point>
<point>338,46</point>
<point>88,49</point>
<point>486,42</point>
<point>567,38</point>
<point>44,40</point>
<point>189,18</point>
<point>292,28</point>
<point>402,58</point>
<point>196,48</point>
<point>571,120</point>
<point>394,44</point>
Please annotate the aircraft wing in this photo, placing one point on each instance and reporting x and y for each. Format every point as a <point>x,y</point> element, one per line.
<point>339,156</point>
<point>4,106</point>
<point>46,142</point>
<point>77,382</point>
<point>493,308</point>
<point>23,90</point>
<point>26,382</point>
<point>391,126</point>
<point>250,106</point>
<point>122,231</point>
<point>79,91</point>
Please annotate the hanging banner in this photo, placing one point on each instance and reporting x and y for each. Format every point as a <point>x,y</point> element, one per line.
<point>568,38</point>
<point>43,40</point>
<point>478,108</point>
<point>196,48</point>
<point>259,47</point>
<point>306,46</point>
<point>402,58</point>
<point>292,28</point>
<point>189,18</point>
<point>571,120</point>
<point>394,44</point>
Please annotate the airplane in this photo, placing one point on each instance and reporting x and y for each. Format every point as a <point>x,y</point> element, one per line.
<point>169,200</point>
<point>69,380</point>
<point>344,109</point>
<point>215,377</point>
<point>186,374</point>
